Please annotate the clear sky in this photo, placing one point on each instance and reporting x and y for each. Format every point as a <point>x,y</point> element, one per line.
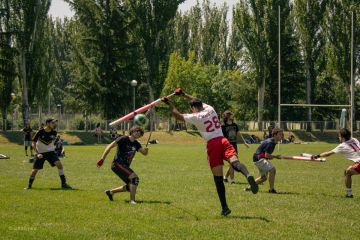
<point>61,9</point>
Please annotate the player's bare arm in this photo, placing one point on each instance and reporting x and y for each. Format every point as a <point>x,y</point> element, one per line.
<point>241,136</point>
<point>144,151</point>
<point>108,149</point>
<point>324,154</point>
<point>105,153</point>
<point>270,156</point>
<point>174,111</point>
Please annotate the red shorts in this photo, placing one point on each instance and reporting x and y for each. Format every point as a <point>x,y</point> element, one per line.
<point>356,166</point>
<point>218,150</point>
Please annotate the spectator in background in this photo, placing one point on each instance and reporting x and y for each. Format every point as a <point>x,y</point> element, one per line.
<point>98,132</point>
<point>59,147</point>
<point>270,129</point>
<point>27,131</point>
<point>113,133</point>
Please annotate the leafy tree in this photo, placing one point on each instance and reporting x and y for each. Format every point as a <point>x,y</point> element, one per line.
<point>7,60</point>
<point>104,56</point>
<point>28,18</point>
<point>152,19</point>
<point>309,19</point>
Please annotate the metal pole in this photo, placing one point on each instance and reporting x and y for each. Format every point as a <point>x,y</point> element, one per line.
<point>279,71</point>
<point>134,98</point>
<point>351,75</point>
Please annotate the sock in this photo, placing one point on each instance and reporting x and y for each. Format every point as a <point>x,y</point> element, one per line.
<point>220,187</point>
<point>62,176</point>
<point>240,168</point>
<point>348,191</point>
<point>31,180</point>
<point>63,179</point>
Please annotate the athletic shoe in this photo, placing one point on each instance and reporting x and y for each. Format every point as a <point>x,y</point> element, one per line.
<point>132,202</point>
<point>109,194</point>
<point>225,212</point>
<point>225,180</point>
<point>232,182</point>
<point>27,188</point>
<point>66,186</point>
<point>272,191</point>
<point>247,189</point>
<point>349,196</point>
<point>253,185</point>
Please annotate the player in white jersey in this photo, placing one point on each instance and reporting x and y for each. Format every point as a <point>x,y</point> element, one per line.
<point>219,149</point>
<point>350,148</point>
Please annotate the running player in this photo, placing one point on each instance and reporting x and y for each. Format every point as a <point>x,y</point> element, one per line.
<point>27,131</point>
<point>350,148</point>
<point>127,146</point>
<point>263,154</point>
<point>206,121</point>
<point>43,144</point>
<point>231,131</point>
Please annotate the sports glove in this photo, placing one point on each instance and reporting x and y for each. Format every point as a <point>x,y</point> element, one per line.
<point>165,100</point>
<point>179,92</point>
<point>100,163</point>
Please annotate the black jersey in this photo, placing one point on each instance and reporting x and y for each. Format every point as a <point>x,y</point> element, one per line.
<point>126,150</point>
<point>230,131</point>
<point>27,133</point>
<point>45,140</point>
<point>267,146</point>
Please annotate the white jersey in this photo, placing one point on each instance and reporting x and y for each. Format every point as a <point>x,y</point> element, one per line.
<point>350,149</point>
<point>206,121</point>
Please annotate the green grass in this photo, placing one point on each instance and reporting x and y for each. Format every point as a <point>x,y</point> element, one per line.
<point>178,198</point>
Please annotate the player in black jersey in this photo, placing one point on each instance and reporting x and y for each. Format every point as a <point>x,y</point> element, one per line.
<point>27,131</point>
<point>231,131</point>
<point>43,144</point>
<point>127,146</point>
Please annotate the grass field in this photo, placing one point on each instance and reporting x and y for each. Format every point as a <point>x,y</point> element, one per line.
<point>177,198</point>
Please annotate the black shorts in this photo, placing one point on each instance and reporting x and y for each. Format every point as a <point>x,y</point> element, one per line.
<point>48,156</point>
<point>122,171</point>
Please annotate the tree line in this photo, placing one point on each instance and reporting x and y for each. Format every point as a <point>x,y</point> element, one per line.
<point>86,63</point>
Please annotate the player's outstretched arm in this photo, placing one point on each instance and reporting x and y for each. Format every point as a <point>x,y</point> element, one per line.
<point>240,135</point>
<point>105,153</point>
<point>324,154</point>
<point>174,111</point>
<point>270,156</point>
<point>144,151</point>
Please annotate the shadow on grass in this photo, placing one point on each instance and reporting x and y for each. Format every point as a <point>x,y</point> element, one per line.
<point>87,138</point>
<point>287,193</point>
<point>73,189</point>
<point>249,218</point>
<point>153,202</point>
<point>14,137</point>
<point>238,183</point>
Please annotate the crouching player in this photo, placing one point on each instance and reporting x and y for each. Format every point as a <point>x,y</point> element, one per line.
<point>350,148</point>
<point>262,156</point>
<point>219,149</point>
<point>43,144</point>
<point>127,146</point>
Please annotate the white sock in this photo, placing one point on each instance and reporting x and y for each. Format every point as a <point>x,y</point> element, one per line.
<point>61,172</point>
<point>349,191</point>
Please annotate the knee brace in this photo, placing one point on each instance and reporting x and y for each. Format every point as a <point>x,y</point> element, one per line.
<point>134,181</point>
<point>237,166</point>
